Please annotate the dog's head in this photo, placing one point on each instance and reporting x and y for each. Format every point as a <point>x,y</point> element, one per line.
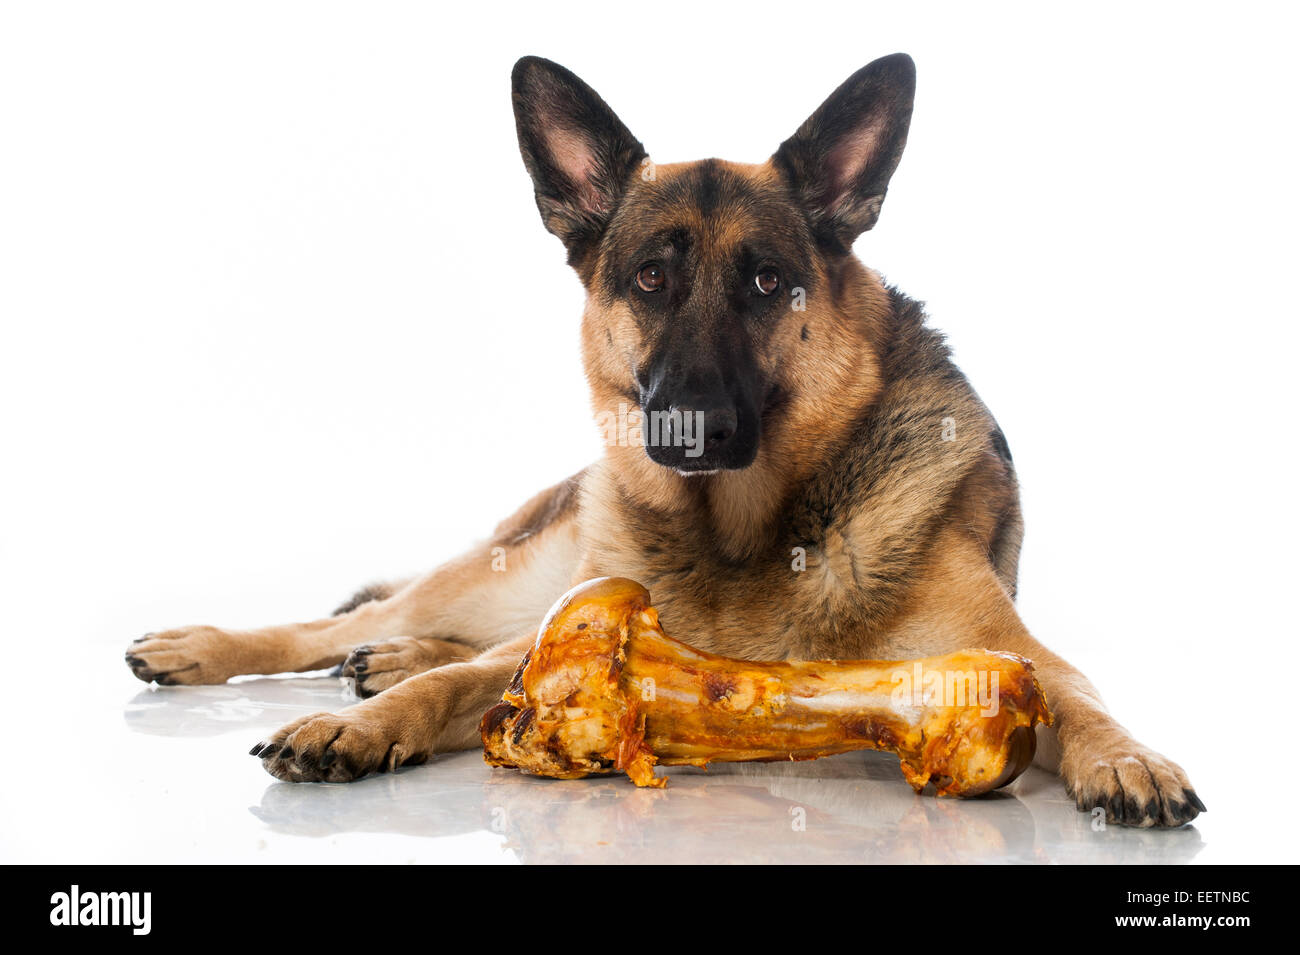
<point>723,300</point>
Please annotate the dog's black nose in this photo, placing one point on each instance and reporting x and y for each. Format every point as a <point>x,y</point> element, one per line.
<point>699,421</point>
<point>707,423</point>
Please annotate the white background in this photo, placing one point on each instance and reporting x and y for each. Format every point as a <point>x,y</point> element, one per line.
<point>279,318</point>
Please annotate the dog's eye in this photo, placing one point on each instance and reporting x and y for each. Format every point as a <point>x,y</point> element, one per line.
<point>650,278</point>
<point>767,281</point>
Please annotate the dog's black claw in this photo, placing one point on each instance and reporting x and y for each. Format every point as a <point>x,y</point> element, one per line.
<point>257,749</point>
<point>1117,807</point>
<point>1131,809</point>
<point>327,759</point>
<point>286,753</point>
<point>132,660</point>
<point>1195,800</point>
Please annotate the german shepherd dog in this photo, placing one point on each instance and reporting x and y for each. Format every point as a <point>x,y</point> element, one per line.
<point>822,482</point>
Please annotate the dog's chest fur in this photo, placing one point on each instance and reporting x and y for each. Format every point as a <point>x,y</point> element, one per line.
<point>846,544</point>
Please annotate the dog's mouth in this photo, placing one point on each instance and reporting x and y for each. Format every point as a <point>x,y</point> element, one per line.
<point>702,464</point>
<point>703,471</point>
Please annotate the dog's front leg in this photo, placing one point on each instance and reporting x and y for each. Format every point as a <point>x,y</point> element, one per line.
<point>200,655</point>
<point>493,591</point>
<point>380,641</point>
<point>433,712</point>
<point>960,603</point>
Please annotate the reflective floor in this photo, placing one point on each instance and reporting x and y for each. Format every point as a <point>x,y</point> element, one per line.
<point>165,778</point>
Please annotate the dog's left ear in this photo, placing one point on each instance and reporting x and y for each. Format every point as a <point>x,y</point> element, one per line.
<point>840,160</point>
<point>580,154</point>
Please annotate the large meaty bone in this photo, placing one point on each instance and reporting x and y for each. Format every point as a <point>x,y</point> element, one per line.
<point>604,689</point>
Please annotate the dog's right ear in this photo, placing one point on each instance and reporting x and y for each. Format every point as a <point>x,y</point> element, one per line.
<point>840,160</point>
<point>578,152</point>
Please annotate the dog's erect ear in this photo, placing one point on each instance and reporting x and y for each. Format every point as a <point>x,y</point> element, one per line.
<point>578,152</point>
<point>840,160</point>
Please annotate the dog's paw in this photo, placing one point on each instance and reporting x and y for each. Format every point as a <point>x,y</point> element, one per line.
<point>339,747</point>
<point>1135,785</point>
<point>375,667</point>
<point>189,656</point>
